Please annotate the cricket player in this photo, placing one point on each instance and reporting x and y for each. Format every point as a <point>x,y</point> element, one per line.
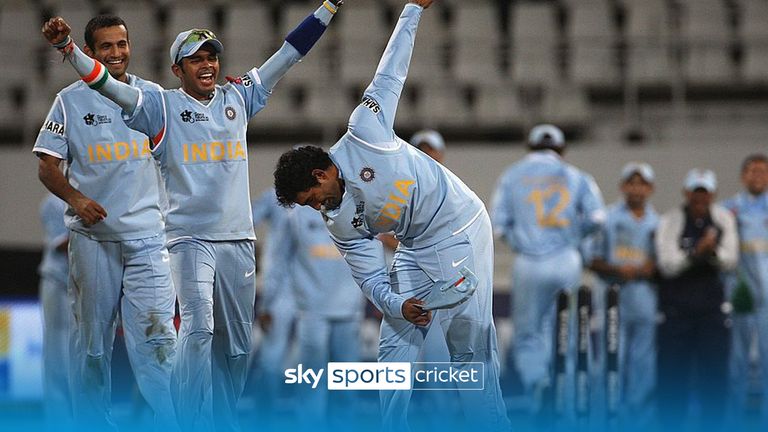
<point>542,208</point>
<point>373,182</point>
<point>57,315</point>
<point>330,305</point>
<point>198,136</point>
<point>750,321</point>
<point>117,254</point>
<point>623,253</point>
<point>276,315</point>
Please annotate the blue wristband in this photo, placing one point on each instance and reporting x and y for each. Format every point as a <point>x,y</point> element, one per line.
<point>304,37</point>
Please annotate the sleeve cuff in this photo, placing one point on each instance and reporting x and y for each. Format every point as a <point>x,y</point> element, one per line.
<point>397,305</point>
<point>48,152</point>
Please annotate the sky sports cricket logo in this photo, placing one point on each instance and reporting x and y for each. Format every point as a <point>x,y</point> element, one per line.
<point>391,376</point>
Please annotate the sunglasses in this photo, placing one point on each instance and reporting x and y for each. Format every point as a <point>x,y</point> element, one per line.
<point>195,36</point>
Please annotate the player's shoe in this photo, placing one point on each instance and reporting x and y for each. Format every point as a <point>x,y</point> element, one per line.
<point>446,295</point>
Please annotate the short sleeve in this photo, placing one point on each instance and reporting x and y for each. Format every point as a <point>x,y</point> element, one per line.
<point>252,91</point>
<point>52,138</point>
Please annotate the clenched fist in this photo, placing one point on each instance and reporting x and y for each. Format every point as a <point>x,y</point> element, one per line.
<point>56,30</point>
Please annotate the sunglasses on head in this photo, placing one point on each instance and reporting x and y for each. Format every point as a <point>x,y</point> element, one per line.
<point>196,35</point>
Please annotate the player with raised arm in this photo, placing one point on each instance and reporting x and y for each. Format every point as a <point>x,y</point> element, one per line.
<point>373,182</point>
<point>199,137</point>
<point>117,254</point>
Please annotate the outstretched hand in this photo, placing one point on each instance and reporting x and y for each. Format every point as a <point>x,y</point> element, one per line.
<point>423,3</point>
<point>56,30</point>
<point>415,314</point>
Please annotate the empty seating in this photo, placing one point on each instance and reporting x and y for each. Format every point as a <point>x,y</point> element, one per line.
<point>477,43</point>
<point>649,55</point>
<point>429,63</point>
<point>363,35</point>
<point>249,37</point>
<point>565,105</point>
<point>593,59</point>
<point>149,48</point>
<point>21,43</point>
<point>705,32</point>
<point>497,106</point>
<point>534,54</point>
<point>444,105</point>
<point>754,35</point>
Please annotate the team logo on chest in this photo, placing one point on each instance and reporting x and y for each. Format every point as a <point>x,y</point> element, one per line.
<point>92,119</point>
<point>188,116</point>
<point>367,174</point>
<point>230,112</point>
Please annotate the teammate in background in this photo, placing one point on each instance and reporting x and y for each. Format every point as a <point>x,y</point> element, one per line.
<point>330,305</point>
<point>57,315</point>
<point>276,311</point>
<point>624,254</point>
<point>542,208</point>
<point>117,254</point>
<point>199,137</point>
<point>695,245</point>
<point>374,182</point>
<point>750,298</point>
<point>431,143</point>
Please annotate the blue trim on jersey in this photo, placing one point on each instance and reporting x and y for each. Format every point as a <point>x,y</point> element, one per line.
<point>304,37</point>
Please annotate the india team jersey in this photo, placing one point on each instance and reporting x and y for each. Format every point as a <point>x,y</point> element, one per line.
<point>752,219</point>
<point>389,185</point>
<point>400,189</point>
<point>543,205</point>
<point>625,239</point>
<point>306,259</point>
<point>203,156</point>
<point>107,161</point>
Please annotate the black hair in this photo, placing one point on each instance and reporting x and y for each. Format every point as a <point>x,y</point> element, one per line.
<point>100,22</point>
<point>546,142</point>
<point>755,157</point>
<point>293,173</point>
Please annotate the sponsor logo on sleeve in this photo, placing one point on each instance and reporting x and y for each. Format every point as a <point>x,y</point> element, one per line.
<point>371,105</point>
<point>53,127</point>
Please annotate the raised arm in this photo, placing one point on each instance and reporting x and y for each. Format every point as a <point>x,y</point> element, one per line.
<point>92,72</point>
<point>298,43</point>
<point>374,118</point>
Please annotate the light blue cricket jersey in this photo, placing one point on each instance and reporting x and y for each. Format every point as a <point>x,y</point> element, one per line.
<point>203,156</point>
<point>543,205</point>
<point>752,218</point>
<point>306,259</point>
<point>389,184</point>
<point>54,264</point>
<point>267,210</point>
<point>108,162</point>
<point>624,239</point>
